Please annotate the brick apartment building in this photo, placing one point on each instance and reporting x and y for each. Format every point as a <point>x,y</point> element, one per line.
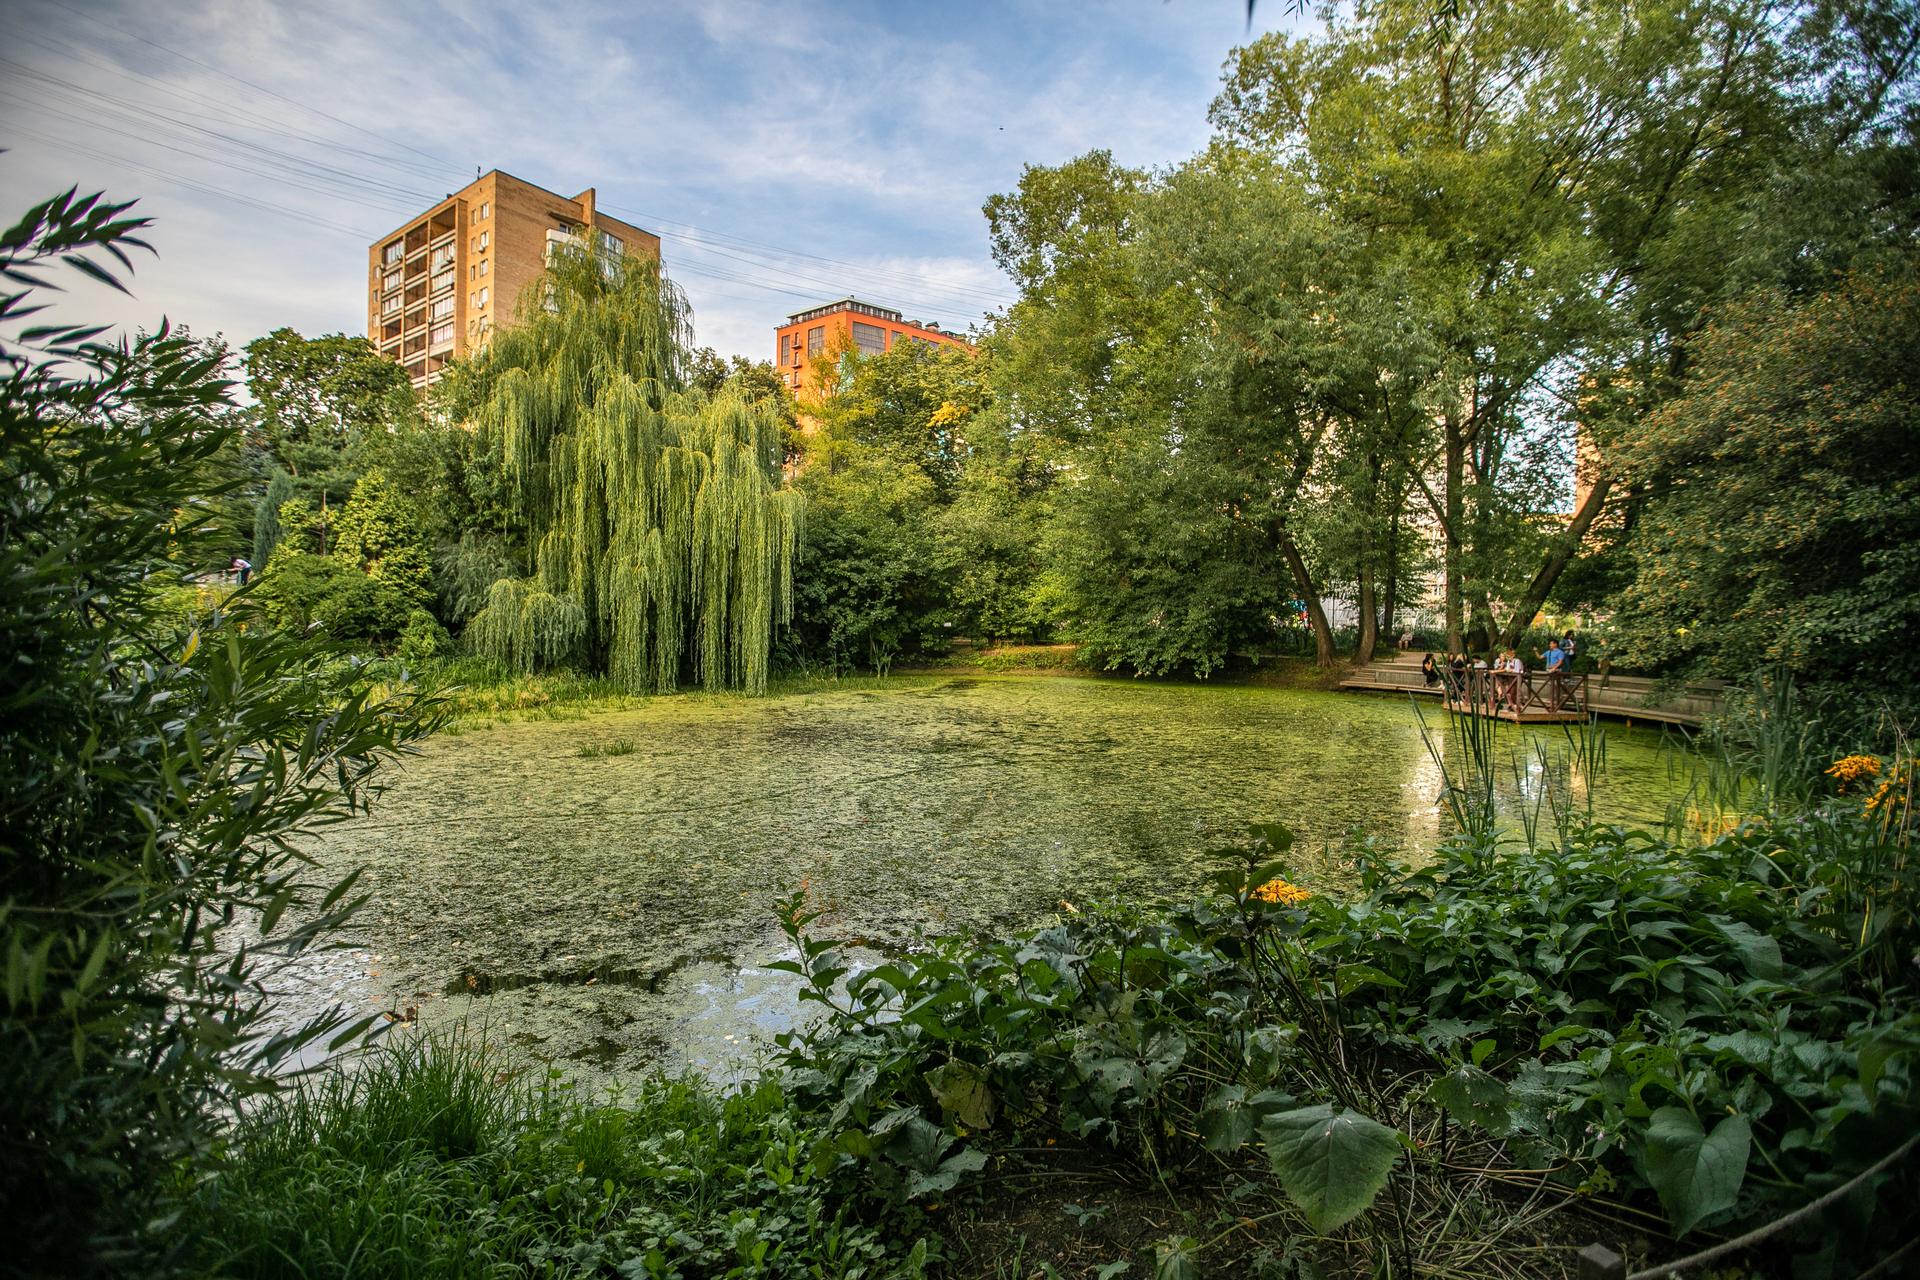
<point>442,282</point>
<point>869,329</point>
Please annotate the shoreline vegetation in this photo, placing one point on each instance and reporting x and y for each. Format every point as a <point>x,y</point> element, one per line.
<point>1472,1069</point>
<point>474,693</point>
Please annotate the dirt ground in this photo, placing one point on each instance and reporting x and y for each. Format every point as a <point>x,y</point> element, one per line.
<point>1063,1214</point>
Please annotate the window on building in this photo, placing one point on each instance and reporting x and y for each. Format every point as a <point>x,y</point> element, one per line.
<point>396,251</point>
<point>483,266</point>
<point>816,340</point>
<point>486,208</point>
<point>392,281</point>
<point>484,235</point>
<point>612,244</point>
<point>444,307</point>
<point>442,334</point>
<point>483,297</point>
<point>869,339</point>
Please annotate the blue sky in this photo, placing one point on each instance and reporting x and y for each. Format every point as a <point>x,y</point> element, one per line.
<point>787,153</point>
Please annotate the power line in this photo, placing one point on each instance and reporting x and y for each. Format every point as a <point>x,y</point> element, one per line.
<point>248,83</point>
<point>271,124</point>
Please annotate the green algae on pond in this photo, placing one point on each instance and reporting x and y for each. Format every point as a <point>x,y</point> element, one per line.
<point>608,909</point>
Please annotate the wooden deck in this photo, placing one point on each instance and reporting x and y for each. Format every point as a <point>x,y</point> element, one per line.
<point>1535,701</point>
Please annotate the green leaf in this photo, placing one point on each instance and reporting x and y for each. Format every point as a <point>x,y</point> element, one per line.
<point>1176,1258</point>
<point>947,1176</point>
<point>1277,838</point>
<point>961,1087</point>
<point>1333,1163</point>
<point>1886,1044</point>
<point>1350,977</point>
<point>1229,1117</point>
<point>1758,952</point>
<point>919,1144</point>
<point>1695,1173</point>
<point>1473,1097</point>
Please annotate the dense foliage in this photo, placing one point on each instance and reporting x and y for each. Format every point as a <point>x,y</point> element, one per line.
<point>433,1168</point>
<point>1730,1030</point>
<point>1790,480</point>
<point>157,769</point>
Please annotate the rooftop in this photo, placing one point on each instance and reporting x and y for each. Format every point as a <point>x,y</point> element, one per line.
<point>845,304</point>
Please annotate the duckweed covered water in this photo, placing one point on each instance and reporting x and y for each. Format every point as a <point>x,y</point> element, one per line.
<point>610,911</point>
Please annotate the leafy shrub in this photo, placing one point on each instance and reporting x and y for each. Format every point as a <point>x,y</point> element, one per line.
<point>423,638</point>
<point>300,590</point>
<point>155,778</point>
<point>1729,1028</point>
<point>426,1160</point>
<point>381,534</point>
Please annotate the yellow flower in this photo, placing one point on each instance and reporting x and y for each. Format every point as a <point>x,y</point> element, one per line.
<point>1853,769</point>
<point>1281,892</point>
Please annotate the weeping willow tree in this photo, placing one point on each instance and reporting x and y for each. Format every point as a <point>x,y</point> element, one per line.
<point>661,539</point>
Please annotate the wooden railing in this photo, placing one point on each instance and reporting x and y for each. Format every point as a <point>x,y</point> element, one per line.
<point>1521,693</point>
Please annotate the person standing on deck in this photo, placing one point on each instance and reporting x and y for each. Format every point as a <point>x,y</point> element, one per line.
<point>1556,661</point>
<point>1431,670</point>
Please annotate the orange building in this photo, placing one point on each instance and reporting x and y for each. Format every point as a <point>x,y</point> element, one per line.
<point>440,284</point>
<point>860,326</point>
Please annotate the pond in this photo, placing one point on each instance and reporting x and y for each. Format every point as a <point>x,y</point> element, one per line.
<point>609,912</point>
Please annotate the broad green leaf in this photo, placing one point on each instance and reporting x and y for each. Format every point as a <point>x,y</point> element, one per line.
<point>961,1087</point>
<point>1473,1097</point>
<point>1332,1163</point>
<point>947,1176</point>
<point>1229,1117</point>
<point>1350,977</point>
<point>1176,1258</point>
<point>1695,1173</point>
<point>919,1144</point>
<point>1759,953</point>
<point>1278,838</point>
<point>1886,1044</point>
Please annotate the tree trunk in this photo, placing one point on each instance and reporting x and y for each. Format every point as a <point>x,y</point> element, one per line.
<point>1322,633</point>
<point>1456,506</point>
<point>1369,623</point>
<point>1562,556</point>
<point>1392,592</point>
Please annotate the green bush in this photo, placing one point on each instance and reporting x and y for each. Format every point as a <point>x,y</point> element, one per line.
<point>423,638</point>
<point>300,590</point>
<point>1728,1030</point>
<point>158,769</point>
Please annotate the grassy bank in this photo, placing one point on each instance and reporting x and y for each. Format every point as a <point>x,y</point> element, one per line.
<point>477,695</point>
<point>1471,1070</point>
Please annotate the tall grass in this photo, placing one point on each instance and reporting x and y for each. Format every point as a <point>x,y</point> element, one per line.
<point>429,1158</point>
<point>374,1170</point>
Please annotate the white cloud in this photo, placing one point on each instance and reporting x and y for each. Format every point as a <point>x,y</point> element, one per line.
<point>273,142</point>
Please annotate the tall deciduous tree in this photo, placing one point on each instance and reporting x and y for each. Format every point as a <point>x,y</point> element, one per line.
<point>1783,523</point>
<point>1558,177</point>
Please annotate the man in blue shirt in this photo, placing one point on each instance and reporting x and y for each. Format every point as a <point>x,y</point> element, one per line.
<point>1556,665</point>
